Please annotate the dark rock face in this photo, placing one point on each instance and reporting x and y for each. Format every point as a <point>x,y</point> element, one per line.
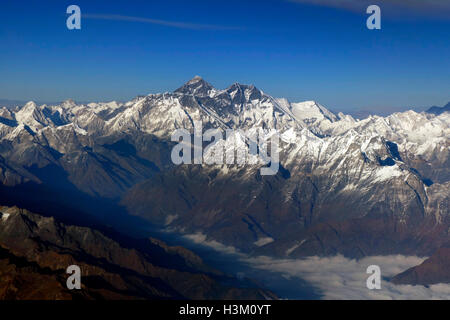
<point>435,269</point>
<point>239,213</point>
<point>35,252</point>
<point>21,279</point>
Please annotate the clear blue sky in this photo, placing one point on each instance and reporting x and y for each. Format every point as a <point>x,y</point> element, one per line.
<point>296,50</point>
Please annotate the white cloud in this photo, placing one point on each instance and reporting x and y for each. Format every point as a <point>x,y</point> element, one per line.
<point>439,7</point>
<point>200,238</point>
<point>338,277</point>
<point>173,24</point>
<point>263,241</point>
<point>342,278</point>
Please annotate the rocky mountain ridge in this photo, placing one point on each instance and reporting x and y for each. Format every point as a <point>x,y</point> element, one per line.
<point>372,186</point>
<point>35,252</point>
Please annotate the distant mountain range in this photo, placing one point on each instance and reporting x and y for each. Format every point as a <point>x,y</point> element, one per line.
<point>374,186</point>
<point>11,103</point>
<point>439,110</point>
<point>20,103</point>
<point>357,113</point>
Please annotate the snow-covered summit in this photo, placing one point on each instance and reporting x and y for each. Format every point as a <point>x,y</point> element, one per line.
<point>238,107</point>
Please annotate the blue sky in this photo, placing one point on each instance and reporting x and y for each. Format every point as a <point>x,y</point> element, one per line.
<point>295,49</point>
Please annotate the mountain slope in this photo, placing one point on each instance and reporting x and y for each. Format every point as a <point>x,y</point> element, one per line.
<point>432,271</point>
<point>35,252</point>
<point>357,187</point>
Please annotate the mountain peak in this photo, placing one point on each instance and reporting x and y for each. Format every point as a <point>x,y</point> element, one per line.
<point>196,79</point>
<point>29,104</point>
<point>244,91</point>
<point>196,86</point>
<point>310,109</point>
<point>68,103</point>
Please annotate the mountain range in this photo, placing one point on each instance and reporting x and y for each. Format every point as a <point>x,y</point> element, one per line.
<point>374,186</point>
<point>35,252</point>
<point>439,110</point>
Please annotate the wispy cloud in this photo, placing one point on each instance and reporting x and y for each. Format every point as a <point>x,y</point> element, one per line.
<point>423,7</point>
<point>172,24</point>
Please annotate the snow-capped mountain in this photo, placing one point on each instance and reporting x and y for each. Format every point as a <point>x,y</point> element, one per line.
<point>343,186</point>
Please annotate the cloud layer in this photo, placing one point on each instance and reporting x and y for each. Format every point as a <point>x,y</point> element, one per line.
<point>338,277</point>
<point>342,278</point>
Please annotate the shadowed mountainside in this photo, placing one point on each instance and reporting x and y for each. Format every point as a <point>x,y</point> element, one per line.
<point>35,252</point>
<point>432,271</point>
